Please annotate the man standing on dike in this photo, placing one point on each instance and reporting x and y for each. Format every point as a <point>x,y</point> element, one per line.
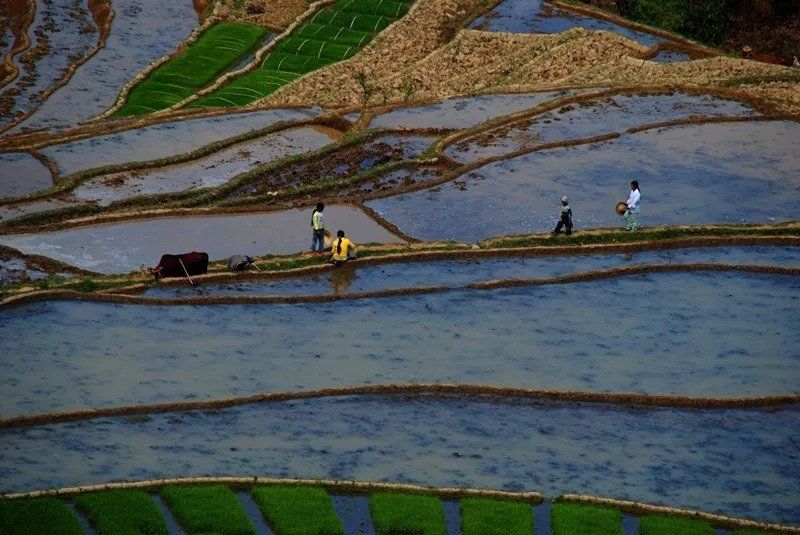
<point>318,229</point>
<point>632,213</point>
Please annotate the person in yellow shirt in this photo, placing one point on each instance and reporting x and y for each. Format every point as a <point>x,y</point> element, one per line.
<point>343,249</point>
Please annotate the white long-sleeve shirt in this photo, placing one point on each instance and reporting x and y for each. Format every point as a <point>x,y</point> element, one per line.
<point>633,200</point>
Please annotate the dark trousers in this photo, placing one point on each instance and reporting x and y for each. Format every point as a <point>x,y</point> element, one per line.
<point>565,221</point>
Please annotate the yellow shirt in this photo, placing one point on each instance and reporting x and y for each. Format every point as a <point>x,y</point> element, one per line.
<point>346,246</point>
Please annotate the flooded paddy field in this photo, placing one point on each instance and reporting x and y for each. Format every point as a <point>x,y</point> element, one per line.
<point>212,170</point>
<point>723,334</point>
<point>21,173</point>
<point>730,461</point>
<point>697,174</point>
<point>587,119</point>
<point>538,16</point>
<point>61,34</point>
<point>463,112</point>
<point>161,140</point>
<point>342,163</point>
<point>352,279</point>
<point>141,32</point>
<point>126,246</point>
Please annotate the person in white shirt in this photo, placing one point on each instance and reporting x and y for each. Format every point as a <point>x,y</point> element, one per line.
<point>632,213</point>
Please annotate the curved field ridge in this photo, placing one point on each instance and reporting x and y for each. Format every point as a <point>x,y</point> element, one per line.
<point>215,50</point>
<point>685,457</point>
<point>444,389</point>
<point>458,493</point>
<point>332,34</point>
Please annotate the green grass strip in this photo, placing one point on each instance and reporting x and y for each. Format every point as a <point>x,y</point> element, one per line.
<point>122,512</point>
<point>35,516</point>
<point>483,516</point>
<point>293,510</point>
<point>670,525</point>
<point>208,509</point>
<point>411,514</point>
<point>215,50</point>
<point>572,518</point>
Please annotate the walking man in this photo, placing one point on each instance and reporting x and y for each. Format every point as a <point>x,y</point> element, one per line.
<point>631,215</point>
<point>566,217</point>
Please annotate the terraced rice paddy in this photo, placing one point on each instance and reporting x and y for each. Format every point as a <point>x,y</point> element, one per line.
<point>215,50</point>
<point>73,351</point>
<point>141,32</point>
<point>440,383</point>
<point>697,174</point>
<point>333,34</point>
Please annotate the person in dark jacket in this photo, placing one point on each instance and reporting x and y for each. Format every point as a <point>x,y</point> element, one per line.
<point>566,217</point>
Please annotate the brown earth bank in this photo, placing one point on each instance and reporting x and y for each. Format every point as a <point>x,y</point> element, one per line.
<point>16,16</point>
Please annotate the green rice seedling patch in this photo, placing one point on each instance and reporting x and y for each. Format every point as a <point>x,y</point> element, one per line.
<point>332,34</point>
<point>670,525</point>
<point>293,510</point>
<point>571,518</point>
<point>215,50</point>
<point>122,512</point>
<point>483,516</point>
<point>208,509</point>
<point>411,514</point>
<point>34,516</point>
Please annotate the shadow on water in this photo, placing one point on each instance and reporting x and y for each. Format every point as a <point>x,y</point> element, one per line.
<point>728,461</point>
<point>723,334</point>
<point>698,174</point>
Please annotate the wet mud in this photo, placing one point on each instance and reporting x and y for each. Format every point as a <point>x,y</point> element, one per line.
<point>352,279</point>
<point>588,119</point>
<point>161,140</point>
<point>21,173</point>
<point>538,16</point>
<point>126,246</point>
<point>708,459</point>
<point>141,32</point>
<point>61,34</point>
<point>206,172</point>
<point>724,334</point>
<point>342,163</point>
<point>463,112</point>
<point>696,174</point>
<point>386,183</point>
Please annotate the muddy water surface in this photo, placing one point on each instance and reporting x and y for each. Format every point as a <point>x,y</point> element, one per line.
<point>21,173</point>
<point>161,140</point>
<point>125,246</point>
<point>141,32</point>
<point>353,279</point>
<point>463,112</point>
<point>615,114</point>
<point>538,16</point>
<point>62,33</point>
<point>723,334</point>
<point>733,462</point>
<point>205,172</point>
<point>712,173</point>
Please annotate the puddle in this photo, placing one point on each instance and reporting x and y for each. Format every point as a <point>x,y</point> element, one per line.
<point>537,16</point>
<point>205,172</point>
<point>463,112</point>
<point>724,334</point>
<point>615,114</point>
<point>125,246</point>
<point>354,513</point>
<point>21,173</point>
<point>461,272</point>
<point>712,173</point>
<point>161,140</point>
<point>62,33</point>
<point>671,56</point>
<point>141,32</point>
<point>340,164</point>
<point>731,462</point>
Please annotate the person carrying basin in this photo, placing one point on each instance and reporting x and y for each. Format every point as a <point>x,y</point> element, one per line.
<point>566,217</point>
<point>342,249</point>
<point>318,230</point>
<point>631,213</point>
